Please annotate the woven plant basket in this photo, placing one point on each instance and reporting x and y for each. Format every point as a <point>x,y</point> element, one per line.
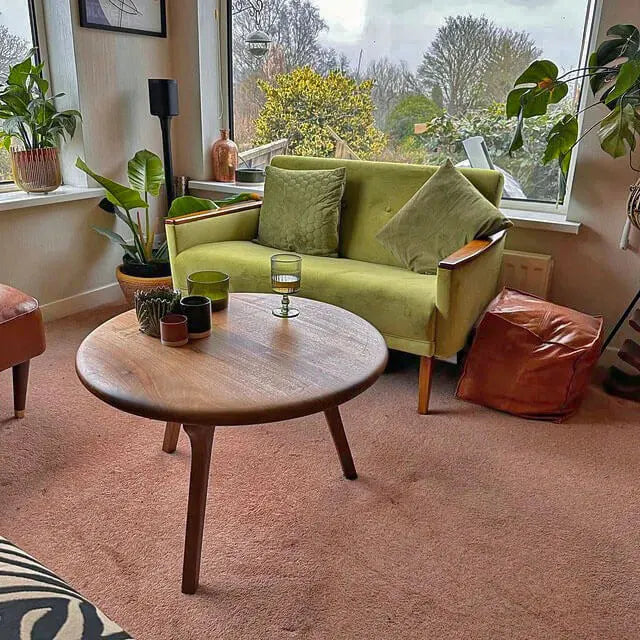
<point>131,284</point>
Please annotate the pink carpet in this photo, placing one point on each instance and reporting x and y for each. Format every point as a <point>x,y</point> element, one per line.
<point>463,524</point>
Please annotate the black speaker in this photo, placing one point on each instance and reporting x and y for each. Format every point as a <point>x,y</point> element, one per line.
<point>163,98</point>
<point>163,102</point>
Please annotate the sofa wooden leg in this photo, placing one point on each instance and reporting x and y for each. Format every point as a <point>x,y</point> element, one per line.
<point>20,382</point>
<point>424,384</point>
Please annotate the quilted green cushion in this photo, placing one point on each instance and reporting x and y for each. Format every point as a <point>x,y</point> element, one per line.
<point>443,216</point>
<point>301,210</point>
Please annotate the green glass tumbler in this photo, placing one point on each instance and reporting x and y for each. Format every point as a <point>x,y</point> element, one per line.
<point>212,284</point>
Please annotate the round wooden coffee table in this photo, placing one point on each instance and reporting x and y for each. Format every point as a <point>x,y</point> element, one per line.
<point>254,368</point>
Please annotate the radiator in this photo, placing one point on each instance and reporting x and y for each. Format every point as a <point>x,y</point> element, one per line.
<point>529,272</point>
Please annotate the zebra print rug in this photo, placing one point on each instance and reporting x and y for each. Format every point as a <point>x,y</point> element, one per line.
<point>35,604</point>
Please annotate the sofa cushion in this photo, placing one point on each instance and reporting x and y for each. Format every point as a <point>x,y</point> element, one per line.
<point>375,192</point>
<point>444,215</point>
<point>398,302</point>
<point>301,210</point>
<point>36,603</point>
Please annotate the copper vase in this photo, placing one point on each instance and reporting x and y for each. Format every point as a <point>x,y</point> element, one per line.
<point>224,154</point>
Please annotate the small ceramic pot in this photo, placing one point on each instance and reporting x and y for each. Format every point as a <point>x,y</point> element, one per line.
<point>173,330</point>
<point>152,305</point>
<point>198,312</point>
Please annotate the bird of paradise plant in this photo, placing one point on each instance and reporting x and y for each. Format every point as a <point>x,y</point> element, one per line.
<point>131,204</point>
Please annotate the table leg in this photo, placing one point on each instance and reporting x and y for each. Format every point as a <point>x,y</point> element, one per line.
<point>340,440</point>
<point>201,444</point>
<point>171,433</point>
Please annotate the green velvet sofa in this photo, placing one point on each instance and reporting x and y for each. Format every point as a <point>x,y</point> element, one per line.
<point>427,315</point>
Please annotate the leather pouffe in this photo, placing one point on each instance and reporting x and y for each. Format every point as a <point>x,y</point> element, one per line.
<point>531,358</point>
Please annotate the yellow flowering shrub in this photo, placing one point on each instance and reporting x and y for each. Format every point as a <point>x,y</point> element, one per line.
<point>304,106</point>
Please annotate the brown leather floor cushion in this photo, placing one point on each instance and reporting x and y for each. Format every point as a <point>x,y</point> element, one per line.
<point>531,358</point>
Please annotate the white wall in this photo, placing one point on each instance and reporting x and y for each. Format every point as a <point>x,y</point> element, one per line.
<point>51,251</point>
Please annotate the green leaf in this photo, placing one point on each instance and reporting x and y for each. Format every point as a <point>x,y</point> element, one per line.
<point>618,130</point>
<point>19,73</point>
<point>189,204</point>
<point>514,104</point>
<point>540,71</point>
<point>627,77</point>
<point>117,194</point>
<point>517,141</point>
<point>145,172</point>
<point>557,92</point>
<point>560,142</point>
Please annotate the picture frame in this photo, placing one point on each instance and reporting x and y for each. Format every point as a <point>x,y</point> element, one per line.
<point>141,17</point>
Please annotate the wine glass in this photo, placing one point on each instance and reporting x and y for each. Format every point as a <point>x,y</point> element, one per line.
<point>286,274</point>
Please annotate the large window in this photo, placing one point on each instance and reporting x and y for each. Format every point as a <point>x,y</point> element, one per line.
<point>17,37</point>
<point>400,80</point>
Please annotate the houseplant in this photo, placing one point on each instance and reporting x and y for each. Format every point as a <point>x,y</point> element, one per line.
<point>613,71</point>
<point>143,265</point>
<point>32,119</point>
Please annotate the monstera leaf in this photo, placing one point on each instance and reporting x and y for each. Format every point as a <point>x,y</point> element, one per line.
<point>617,131</point>
<point>560,141</point>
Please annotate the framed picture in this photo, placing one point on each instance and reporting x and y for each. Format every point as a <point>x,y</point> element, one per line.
<point>144,17</point>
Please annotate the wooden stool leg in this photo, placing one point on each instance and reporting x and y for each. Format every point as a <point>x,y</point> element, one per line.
<point>20,383</point>
<point>171,434</point>
<point>201,445</point>
<point>340,440</point>
<point>424,384</point>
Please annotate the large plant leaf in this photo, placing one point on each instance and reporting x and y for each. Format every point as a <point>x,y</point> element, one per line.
<point>190,204</point>
<point>625,43</point>
<point>129,249</point>
<point>560,141</point>
<point>627,78</point>
<point>514,101</point>
<point>539,72</point>
<point>117,194</point>
<point>617,131</point>
<point>145,172</point>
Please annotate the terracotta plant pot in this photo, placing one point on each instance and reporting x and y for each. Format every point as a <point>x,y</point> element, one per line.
<point>131,284</point>
<point>36,170</point>
<point>224,155</point>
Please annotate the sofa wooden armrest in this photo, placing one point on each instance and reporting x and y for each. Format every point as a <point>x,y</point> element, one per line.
<point>471,251</point>
<point>215,213</point>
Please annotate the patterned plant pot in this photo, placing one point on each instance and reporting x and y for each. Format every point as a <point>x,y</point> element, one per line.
<point>152,305</point>
<point>36,170</point>
<point>131,284</point>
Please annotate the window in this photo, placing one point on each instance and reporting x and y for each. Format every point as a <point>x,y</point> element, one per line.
<point>400,80</point>
<point>17,37</point>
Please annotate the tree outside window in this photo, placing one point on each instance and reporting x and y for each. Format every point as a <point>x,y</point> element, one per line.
<point>400,81</point>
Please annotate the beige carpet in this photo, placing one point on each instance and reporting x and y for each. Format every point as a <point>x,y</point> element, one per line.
<point>463,524</point>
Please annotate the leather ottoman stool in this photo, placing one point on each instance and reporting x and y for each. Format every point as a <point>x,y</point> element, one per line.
<point>531,358</point>
<point>21,338</point>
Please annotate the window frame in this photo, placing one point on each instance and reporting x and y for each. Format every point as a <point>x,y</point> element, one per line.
<point>37,38</point>
<point>551,211</point>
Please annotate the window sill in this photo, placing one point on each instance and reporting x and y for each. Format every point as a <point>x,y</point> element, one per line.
<point>10,200</point>
<point>521,218</point>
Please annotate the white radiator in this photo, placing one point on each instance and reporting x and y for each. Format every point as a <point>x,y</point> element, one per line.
<point>528,272</point>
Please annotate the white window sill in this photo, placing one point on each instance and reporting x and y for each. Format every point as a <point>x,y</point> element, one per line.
<point>521,218</point>
<point>10,200</point>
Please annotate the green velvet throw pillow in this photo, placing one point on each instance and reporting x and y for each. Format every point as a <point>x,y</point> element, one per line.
<point>444,215</point>
<point>301,210</point>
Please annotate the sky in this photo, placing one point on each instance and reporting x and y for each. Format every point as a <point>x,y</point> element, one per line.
<point>15,15</point>
<point>403,29</point>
